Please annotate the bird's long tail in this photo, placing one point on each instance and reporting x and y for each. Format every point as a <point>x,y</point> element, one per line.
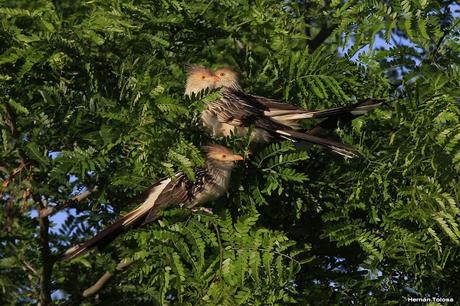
<point>331,123</point>
<point>354,110</point>
<point>334,146</point>
<point>105,237</point>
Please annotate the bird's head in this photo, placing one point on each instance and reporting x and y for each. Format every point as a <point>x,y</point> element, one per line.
<point>220,154</point>
<point>228,78</point>
<point>199,78</point>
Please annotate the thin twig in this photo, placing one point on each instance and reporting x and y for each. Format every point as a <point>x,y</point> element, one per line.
<point>206,8</point>
<point>123,265</point>
<point>6,182</point>
<point>47,258</point>
<point>29,266</point>
<point>78,198</point>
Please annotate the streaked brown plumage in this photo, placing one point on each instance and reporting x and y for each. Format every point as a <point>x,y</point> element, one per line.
<point>210,183</point>
<point>290,115</point>
<point>235,112</point>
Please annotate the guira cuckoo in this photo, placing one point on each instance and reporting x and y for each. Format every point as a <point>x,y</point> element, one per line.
<point>235,112</point>
<point>290,115</point>
<point>211,182</point>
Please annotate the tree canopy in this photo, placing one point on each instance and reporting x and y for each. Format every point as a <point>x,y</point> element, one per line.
<point>92,112</point>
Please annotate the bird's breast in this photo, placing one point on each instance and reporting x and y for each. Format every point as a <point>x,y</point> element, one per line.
<point>213,189</point>
<point>218,128</point>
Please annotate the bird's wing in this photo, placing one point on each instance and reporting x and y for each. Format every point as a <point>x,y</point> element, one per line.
<point>182,190</point>
<point>238,110</point>
<point>272,105</point>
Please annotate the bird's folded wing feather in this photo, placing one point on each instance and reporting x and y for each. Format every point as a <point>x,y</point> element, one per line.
<point>272,105</point>
<point>182,191</point>
<point>240,111</point>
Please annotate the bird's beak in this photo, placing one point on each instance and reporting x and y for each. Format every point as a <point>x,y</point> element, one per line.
<point>238,157</point>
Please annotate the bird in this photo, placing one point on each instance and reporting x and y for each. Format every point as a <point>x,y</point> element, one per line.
<point>235,113</point>
<point>290,115</point>
<point>211,182</point>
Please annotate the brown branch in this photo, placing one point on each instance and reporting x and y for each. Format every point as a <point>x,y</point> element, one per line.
<point>78,198</point>
<point>323,34</point>
<point>46,257</point>
<point>6,182</point>
<point>29,266</point>
<point>90,291</point>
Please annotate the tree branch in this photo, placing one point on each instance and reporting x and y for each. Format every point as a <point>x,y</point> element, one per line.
<point>46,257</point>
<point>29,266</point>
<point>323,34</point>
<point>90,291</point>
<point>78,198</point>
<point>6,182</point>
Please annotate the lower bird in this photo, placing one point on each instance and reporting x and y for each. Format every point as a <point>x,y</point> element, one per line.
<point>211,182</point>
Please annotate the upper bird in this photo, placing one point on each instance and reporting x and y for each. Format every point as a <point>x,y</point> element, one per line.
<point>234,112</point>
<point>290,115</point>
<point>211,182</point>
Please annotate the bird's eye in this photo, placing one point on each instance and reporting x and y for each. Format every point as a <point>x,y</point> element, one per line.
<point>222,74</point>
<point>203,77</point>
<point>224,156</point>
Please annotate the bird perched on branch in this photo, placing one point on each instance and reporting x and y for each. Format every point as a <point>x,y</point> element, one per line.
<point>211,182</point>
<point>235,112</point>
<point>290,115</point>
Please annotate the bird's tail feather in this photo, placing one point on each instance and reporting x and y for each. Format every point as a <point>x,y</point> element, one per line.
<point>354,110</point>
<point>106,236</point>
<point>331,123</point>
<point>334,146</point>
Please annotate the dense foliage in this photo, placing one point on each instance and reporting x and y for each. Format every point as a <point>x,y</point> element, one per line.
<point>92,112</point>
